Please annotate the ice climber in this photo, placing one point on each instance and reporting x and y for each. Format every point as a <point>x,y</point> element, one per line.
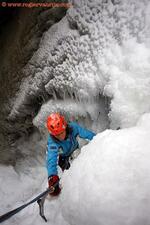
<point>61,144</point>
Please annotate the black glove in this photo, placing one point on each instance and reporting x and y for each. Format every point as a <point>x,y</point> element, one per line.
<point>53,182</point>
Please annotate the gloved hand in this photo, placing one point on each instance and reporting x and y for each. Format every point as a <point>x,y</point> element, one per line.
<point>51,182</point>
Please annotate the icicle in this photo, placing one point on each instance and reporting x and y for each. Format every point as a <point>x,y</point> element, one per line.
<point>54,94</point>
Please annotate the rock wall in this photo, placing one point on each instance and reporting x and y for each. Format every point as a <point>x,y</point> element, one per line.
<point>21,30</point>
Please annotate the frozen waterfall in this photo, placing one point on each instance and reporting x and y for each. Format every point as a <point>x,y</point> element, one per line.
<point>94,67</point>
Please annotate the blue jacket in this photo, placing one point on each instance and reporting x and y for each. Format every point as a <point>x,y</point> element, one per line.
<point>65,147</point>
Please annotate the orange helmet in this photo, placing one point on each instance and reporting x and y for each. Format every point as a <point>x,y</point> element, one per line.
<point>56,124</point>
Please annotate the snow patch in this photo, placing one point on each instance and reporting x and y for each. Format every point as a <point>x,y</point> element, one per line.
<point>110,180</point>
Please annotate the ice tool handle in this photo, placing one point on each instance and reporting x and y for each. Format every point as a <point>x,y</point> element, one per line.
<point>11,213</point>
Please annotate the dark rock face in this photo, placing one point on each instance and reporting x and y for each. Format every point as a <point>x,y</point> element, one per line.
<point>21,30</point>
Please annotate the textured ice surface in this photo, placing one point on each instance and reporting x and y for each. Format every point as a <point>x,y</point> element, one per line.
<point>108,184</point>
<point>99,48</point>
<point>89,111</point>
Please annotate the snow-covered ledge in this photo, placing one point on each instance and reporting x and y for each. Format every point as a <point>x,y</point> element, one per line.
<point>109,182</point>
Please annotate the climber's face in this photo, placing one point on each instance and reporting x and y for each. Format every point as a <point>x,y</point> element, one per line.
<point>61,136</point>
